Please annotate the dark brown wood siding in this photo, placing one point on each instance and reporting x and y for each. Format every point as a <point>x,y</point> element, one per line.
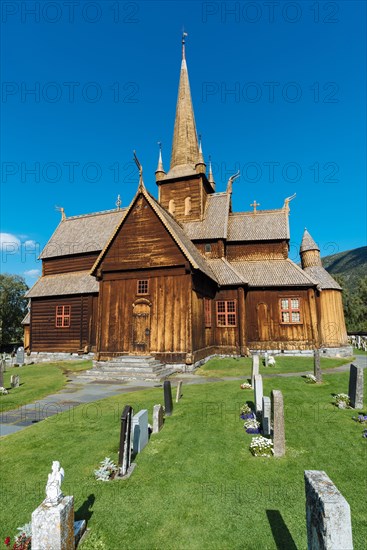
<point>51,266</point>
<point>170,301</point>
<point>263,323</point>
<point>45,336</point>
<point>142,242</point>
<point>257,251</point>
<point>178,192</point>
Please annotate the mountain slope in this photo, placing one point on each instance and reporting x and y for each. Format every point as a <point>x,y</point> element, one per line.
<point>351,265</point>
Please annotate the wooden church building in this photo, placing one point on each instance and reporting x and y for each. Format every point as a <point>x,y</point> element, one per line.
<point>183,277</point>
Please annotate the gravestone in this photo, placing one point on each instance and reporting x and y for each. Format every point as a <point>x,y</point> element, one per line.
<point>53,520</point>
<point>328,517</point>
<point>124,461</point>
<point>277,412</point>
<point>2,369</point>
<point>20,356</point>
<point>14,381</point>
<point>258,393</point>
<point>255,369</point>
<point>266,416</point>
<point>157,418</point>
<point>139,428</point>
<point>168,405</point>
<point>266,358</point>
<point>316,366</point>
<point>355,391</point>
<point>178,392</point>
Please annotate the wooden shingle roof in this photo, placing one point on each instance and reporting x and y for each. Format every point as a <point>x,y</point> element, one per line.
<point>226,273</point>
<point>77,282</point>
<point>259,226</point>
<point>215,222</point>
<point>80,234</point>
<point>273,273</point>
<point>323,278</point>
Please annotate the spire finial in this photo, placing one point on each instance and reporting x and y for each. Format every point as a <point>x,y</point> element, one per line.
<point>210,175</point>
<point>184,34</point>
<point>62,210</point>
<point>160,161</point>
<point>118,202</point>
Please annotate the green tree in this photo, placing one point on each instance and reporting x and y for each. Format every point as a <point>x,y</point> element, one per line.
<point>13,306</point>
<point>354,304</point>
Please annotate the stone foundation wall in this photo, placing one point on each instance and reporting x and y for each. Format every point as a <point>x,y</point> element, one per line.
<point>51,357</point>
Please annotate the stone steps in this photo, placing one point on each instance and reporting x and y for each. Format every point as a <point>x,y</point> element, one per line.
<point>128,368</point>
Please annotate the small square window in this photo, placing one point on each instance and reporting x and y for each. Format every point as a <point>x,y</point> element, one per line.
<point>143,287</point>
<point>208,247</point>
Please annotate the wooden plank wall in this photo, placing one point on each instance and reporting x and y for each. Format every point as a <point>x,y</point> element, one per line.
<point>66,264</point>
<point>170,297</point>
<point>332,325</point>
<point>45,336</point>
<point>141,242</point>
<point>264,329</point>
<point>257,251</point>
<point>178,191</point>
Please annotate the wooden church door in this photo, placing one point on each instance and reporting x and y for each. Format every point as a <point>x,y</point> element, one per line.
<point>141,327</point>
<point>263,322</point>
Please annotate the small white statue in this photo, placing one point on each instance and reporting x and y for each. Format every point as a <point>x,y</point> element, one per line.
<point>271,361</point>
<point>53,487</point>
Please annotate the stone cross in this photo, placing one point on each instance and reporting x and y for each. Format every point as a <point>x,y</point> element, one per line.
<point>167,397</point>
<point>125,445</point>
<point>255,369</point>
<point>157,418</point>
<point>139,428</point>
<point>328,517</point>
<point>266,416</point>
<point>178,392</point>
<point>355,391</point>
<point>277,409</point>
<point>316,366</point>
<point>258,393</point>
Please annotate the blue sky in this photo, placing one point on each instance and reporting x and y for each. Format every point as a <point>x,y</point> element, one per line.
<point>279,92</point>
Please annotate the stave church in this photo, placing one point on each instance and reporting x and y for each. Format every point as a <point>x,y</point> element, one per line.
<point>183,277</point>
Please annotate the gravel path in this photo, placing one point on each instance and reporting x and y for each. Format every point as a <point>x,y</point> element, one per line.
<point>77,392</point>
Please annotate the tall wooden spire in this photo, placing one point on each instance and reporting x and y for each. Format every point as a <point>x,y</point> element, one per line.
<point>185,148</point>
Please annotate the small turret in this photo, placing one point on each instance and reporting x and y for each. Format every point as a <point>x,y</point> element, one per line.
<point>160,173</point>
<point>200,166</point>
<point>309,251</point>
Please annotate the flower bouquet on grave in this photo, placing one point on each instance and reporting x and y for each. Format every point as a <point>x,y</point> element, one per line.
<point>252,426</point>
<point>3,391</point>
<point>106,471</point>
<point>362,418</point>
<point>246,386</point>
<point>364,434</point>
<point>22,539</point>
<point>261,446</point>
<point>310,379</point>
<point>342,400</point>
<point>246,412</point>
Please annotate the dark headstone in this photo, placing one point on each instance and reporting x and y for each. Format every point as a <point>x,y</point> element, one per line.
<point>125,440</point>
<point>168,405</point>
<point>356,387</point>
<point>316,366</point>
<point>20,356</point>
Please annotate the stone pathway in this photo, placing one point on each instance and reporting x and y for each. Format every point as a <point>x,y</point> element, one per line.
<point>77,392</point>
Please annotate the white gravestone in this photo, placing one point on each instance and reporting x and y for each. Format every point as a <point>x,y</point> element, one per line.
<point>157,418</point>
<point>258,393</point>
<point>255,369</point>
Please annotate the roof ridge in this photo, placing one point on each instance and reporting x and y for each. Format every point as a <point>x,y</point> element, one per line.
<point>258,212</point>
<point>78,216</point>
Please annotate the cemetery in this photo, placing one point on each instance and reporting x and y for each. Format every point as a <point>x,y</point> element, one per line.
<point>176,463</point>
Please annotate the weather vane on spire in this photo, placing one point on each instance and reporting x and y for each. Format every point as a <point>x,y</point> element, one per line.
<point>184,34</point>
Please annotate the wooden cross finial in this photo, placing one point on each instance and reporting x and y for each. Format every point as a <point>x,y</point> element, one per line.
<point>255,204</point>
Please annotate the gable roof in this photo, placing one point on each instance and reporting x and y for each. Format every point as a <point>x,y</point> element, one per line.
<point>76,282</point>
<point>188,248</point>
<point>226,273</point>
<point>80,234</point>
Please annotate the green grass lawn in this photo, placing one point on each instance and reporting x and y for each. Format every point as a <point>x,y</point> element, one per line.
<point>359,351</point>
<point>196,485</point>
<point>229,366</point>
<point>38,381</point>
